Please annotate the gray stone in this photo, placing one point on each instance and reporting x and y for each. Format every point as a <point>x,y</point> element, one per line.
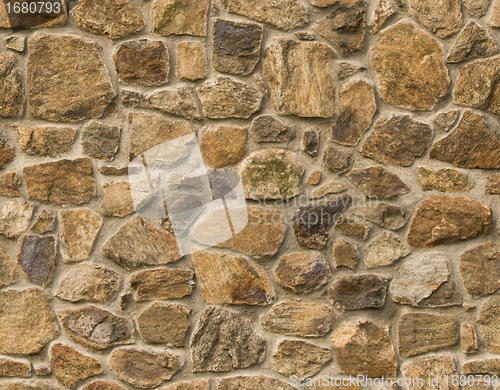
<point>359,292</point>
<point>15,216</point>
<point>385,250</point>
<point>37,257</point>
<point>45,141</point>
<point>445,120</point>
<point>266,128</point>
<point>482,366</point>
<point>100,140</point>
<point>382,214</point>
<point>337,159</point>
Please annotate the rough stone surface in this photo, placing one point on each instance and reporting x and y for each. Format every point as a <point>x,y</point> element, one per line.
<point>117,200</point>
<point>476,8</point>
<point>9,272</point>
<point>382,214</point>
<point>266,128</point>
<point>383,11</point>
<point>445,120</point>
<point>198,384</point>
<point>185,17</point>
<point>15,43</point>
<point>15,216</point>
<point>191,61</point>
<point>443,19</point>
<point>337,159</point>
<point>468,338</point>
<point>178,101</point>
<point>296,357</point>
<point>103,385</point>
<point>494,17</point>
<point>162,283</point>
<point>21,20</point>
<point>359,292</point>
<point>37,257</point>
<point>224,145</point>
<point>344,254</point>
<point>252,382</point>
<point>385,250</point>
<point>10,184</point>
<point>31,385</point>
<point>443,180</point>
<point>329,187</point>
<point>45,141</point>
<point>482,366</point>
<point>45,222</point>
<point>6,152</point>
<point>70,366</point>
<point>378,182</point>
<point>488,324</point>
<point>309,142</point>
<point>100,140</point>
<point>11,368</point>
<point>474,41</point>
<point>11,89</point>
<point>480,269</point>
<point>429,368</point>
<point>354,227</point>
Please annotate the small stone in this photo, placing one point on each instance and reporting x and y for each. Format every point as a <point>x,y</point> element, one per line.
<point>283,14</point>
<point>430,369</point>
<point>382,214</point>
<point>37,257</point>
<point>309,143</point>
<point>162,283</point>
<point>336,159</point>
<point>43,370</point>
<point>314,178</point>
<point>482,366</point>
<point>6,153</point>
<point>443,180</point>
<point>476,8</point>
<point>442,19</point>
<point>480,269</point>
<point>363,348</point>
<point>296,357</point>
<point>468,338</point>
<point>223,341</point>
<point>344,254</point>
<point>191,61</point>
<point>45,222</point>
<point>184,17</point>
<point>100,140</point>
<point>446,219</point>
<point>378,182</point>
<point>70,366</point>
<point>78,231</point>
<point>304,35</point>
<point>357,107</point>
<point>11,90</point>
<point>61,182</point>
<point>330,187</point>
<point>139,244</point>
<point>113,171</point>
<point>493,185</point>
<point>67,79</point>
<point>10,184</point>
<point>114,19</point>
<point>252,382</point>
<point>15,43</point>
<point>224,145</point>
<point>353,226</point>
<point>48,141</point>
<point>9,272</point>
<point>164,323</point>
<point>88,283</point>
<point>227,279</point>
<point>444,120</point>
<point>359,292</point>
<point>347,70</point>
<point>410,66</point>
<point>488,324</point>
<point>300,78</point>
<point>345,26</point>
<point>302,272</point>
<point>10,368</point>
<point>271,174</point>
<point>385,250</point>
<point>473,42</point>
<point>117,200</point>
<point>397,141</point>
<point>236,46</point>
<point>198,384</point>
<point>178,101</point>
<point>421,332</point>
<point>103,385</point>
<point>301,319</point>
<point>15,216</point>
<point>383,10</point>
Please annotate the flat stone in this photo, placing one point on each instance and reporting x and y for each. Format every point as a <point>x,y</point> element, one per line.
<point>337,159</point>
<point>6,152</point>
<point>103,385</point>
<point>397,141</point>
<point>225,97</point>
<point>309,142</point>
<point>382,214</point>
<point>480,269</point>
<point>440,368</point>
<point>34,20</point>
<point>347,69</point>
<point>78,231</point>
<point>236,46</point>
<point>442,19</point>
<point>363,348</point>
<point>9,273</point>
<point>10,184</point>
<point>51,141</point>
<point>227,279</point>
<point>359,292</point>
<point>271,174</point>
<point>410,67</point>
<point>470,145</point>
<point>353,226</point>
<point>493,185</point>
<point>11,368</point>
<point>300,78</point>
<point>355,113</point>
<point>444,219</point>
<point>100,140</point>
<point>178,101</point>
<point>267,128</point>
<point>164,323</point>
<point>37,257</point>
<point>31,385</point>
<point>329,187</point>
<point>11,90</point>
<point>117,200</point>
<point>113,171</point>
<point>283,14</point>
<point>70,366</point>
<point>422,332</point>
<point>58,68</point>
<point>482,366</point>
<point>297,357</point>
<point>443,180</point>
<point>476,8</point>
<point>345,26</point>
<point>61,182</point>
<point>138,244</point>
<point>223,145</point>
<point>314,178</point>
<point>488,324</point>
<point>385,250</point>
<point>302,272</point>
<point>445,120</point>
<point>114,19</point>
<point>378,182</point>
<point>223,341</point>
<point>15,216</point>
<point>184,17</point>
<point>199,384</point>
<point>162,283</point>
<point>15,43</point>
<point>88,283</point>
<point>301,319</point>
<point>191,61</point>
<point>473,42</point>
<point>344,254</point>
<point>383,11</point>
<point>468,338</point>
<point>252,382</point>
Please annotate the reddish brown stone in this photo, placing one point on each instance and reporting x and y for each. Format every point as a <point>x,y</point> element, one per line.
<point>9,185</point>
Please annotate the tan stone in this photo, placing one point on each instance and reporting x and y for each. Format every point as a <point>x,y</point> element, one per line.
<point>100,140</point>
<point>378,182</point>
<point>383,11</point>
<point>9,272</point>
<point>482,366</point>
<point>10,184</point>
<point>443,19</point>
<point>45,141</point>
<point>29,385</point>
<point>11,90</point>
<point>494,17</point>
<point>15,216</point>
<point>178,101</point>
<point>385,250</point>
<point>191,61</point>
<point>117,200</point>
<point>162,283</point>
<point>22,20</point>
<point>70,366</point>
<point>476,8</point>
<point>15,43</point>
<point>329,187</point>
<point>443,180</point>
<point>440,368</point>
<point>45,222</point>
<point>224,145</point>
<point>314,178</point>
<point>480,269</point>
<point>382,214</point>
<point>474,41</point>
<point>493,185</point>
<point>251,383</point>
<point>488,324</point>
<point>468,338</point>
<point>347,69</point>
<point>359,292</point>
<point>198,384</point>
<point>103,385</point>
<point>10,368</point>
<point>344,254</point>
<point>184,17</point>
<point>445,120</point>
<point>296,357</point>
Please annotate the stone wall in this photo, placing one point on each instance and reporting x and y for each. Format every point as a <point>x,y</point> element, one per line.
<point>369,128</point>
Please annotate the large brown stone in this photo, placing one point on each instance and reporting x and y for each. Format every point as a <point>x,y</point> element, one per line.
<point>338,160</point>
<point>344,254</point>
<point>359,292</point>
<point>183,17</point>
<point>117,201</point>
<point>70,366</point>
<point>480,269</point>
<point>438,369</point>
<point>353,226</point>
<point>9,272</point>
<point>446,219</point>
<point>45,141</point>
<point>410,67</point>
<point>67,79</point>
<point>378,182</point>
<point>57,17</point>
<point>224,145</point>
<point>300,78</point>
<point>162,283</point>
<point>191,61</point>
<point>9,368</point>
<point>11,89</point>
<point>15,216</point>
<point>100,140</point>
<point>443,19</point>
<point>251,383</point>
<point>474,41</point>
<point>297,357</point>
<point>488,324</point>
<point>37,257</point>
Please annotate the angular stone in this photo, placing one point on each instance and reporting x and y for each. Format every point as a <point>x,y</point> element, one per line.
<point>11,90</point>
<point>443,19</point>
<point>383,214</point>
<point>60,182</point>
<point>251,383</point>
<point>383,10</point>
<point>224,145</point>
<point>347,70</point>
<point>476,8</point>
<point>330,187</point>
<point>480,269</point>
<point>410,67</point>
<point>70,366</point>
<point>103,385</point>
<point>345,26</point>
<point>309,143</point>
<point>378,182</point>
<point>225,97</point>
<point>9,272</point>
<point>266,128</point>
<point>445,219</point>
<point>493,185</point>
<point>227,279</point>
<point>302,272</point>
<point>199,384</point>
<point>301,319</point>
<point>9,368</point>
<point>438,368</point>
<point>356,109</point>
<point>385,250</point>
<point>6,152</point>
<point>444,120</point>
<point>271,174</point>
<point>191,61</point>
<point>468,338</point>
<point>443,180</point>
<point>78,231</point>
<point>184,17</point>
<point>113,171</point>
<point>88,283</point>
<point>300,77</point>
<point>283,14</point>
<point>482,366</point>
<point>314,178</point>
<point>162,283</point>
<point>49,141</point>
<point>15,43</point>
<point>138,244</point>
<point>362,348</point>
<point>100,140</point>
<point>359,292</point>
<point>27,323</point>
<point>117,200</point>
<point>31,385</point>
<point>296,357</point>
<point>473,42</point>
<point>15,216</point>
<point>164,323</point>
<point>67,79</point>
<point>488,324</point>
<point>236,46</point>
<point>21,20</point>
<point>344,254</point>
<point>422,332</point>
<point>37,257</point>
<point>9,185</point>
<point>178,101</point>
<point>494,16</point>
<point>353,226</point>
